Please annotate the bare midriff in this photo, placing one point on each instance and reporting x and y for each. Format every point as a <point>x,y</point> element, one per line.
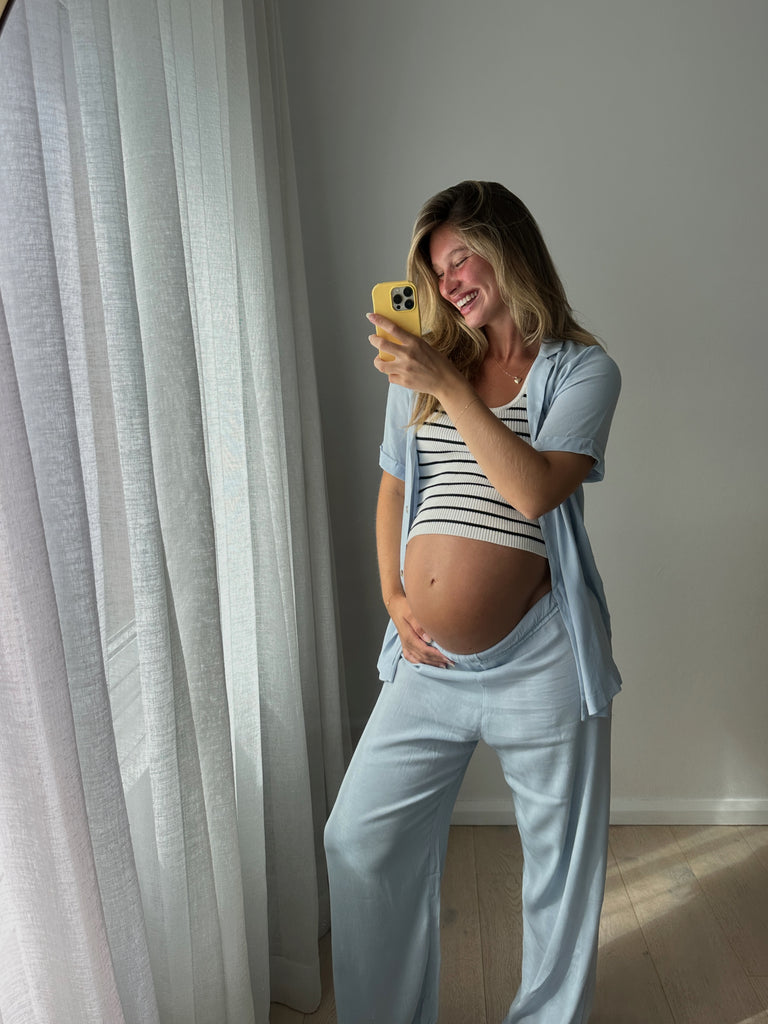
<point>469,594</point>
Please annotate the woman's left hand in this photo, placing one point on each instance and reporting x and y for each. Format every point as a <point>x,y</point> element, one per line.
<point>414,363</point>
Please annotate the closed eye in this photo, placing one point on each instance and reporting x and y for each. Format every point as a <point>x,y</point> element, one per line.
<point>457,263</point>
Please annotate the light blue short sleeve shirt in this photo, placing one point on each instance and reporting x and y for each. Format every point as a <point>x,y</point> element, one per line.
<point>572,394</point>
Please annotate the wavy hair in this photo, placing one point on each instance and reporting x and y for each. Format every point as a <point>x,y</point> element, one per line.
<point>496,225</point>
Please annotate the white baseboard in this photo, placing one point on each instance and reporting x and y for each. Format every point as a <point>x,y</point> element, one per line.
<point>633,811</point>
<point>706,811</point>
<point>483,812</point>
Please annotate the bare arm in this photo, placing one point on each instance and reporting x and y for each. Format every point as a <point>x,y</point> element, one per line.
<point>533,482</point>
<point>389,517</point>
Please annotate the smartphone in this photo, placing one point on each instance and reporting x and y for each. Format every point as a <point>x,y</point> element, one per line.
<point>398,301</point>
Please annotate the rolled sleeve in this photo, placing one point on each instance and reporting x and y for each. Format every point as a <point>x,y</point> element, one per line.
<point>393,446</point>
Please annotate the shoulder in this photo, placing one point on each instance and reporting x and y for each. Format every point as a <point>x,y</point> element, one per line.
<point>570,362</point>
<point>572,354</point>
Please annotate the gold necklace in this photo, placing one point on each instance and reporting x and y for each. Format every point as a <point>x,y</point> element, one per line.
<point>515,378</point>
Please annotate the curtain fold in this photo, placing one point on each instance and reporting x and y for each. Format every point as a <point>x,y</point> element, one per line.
<point>44,352</point>
<point>176,730</point>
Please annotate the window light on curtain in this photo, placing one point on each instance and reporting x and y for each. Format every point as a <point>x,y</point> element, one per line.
<point>173,733</point>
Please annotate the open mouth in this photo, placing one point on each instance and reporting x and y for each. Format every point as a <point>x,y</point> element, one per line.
<point>466,300</point>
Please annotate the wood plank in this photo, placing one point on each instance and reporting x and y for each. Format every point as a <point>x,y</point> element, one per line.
<point>701,975</point>
<point>735,883</point>
<point>462,996</point>
<point>628,987</point>
<point>757,837</point>
<point>499,860</point>
<point>760,985</point>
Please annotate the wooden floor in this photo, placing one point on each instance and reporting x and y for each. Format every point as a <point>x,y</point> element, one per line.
<point>683,938</point>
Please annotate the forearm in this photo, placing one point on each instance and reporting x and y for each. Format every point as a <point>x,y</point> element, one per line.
<point>533,482</point>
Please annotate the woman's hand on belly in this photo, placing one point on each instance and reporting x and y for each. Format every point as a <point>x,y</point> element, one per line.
<point>414,639</point>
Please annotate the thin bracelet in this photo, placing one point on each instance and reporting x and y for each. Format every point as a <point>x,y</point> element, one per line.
<point>472,402</point>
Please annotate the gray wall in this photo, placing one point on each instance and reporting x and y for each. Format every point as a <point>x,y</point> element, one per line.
<point>636,132</point>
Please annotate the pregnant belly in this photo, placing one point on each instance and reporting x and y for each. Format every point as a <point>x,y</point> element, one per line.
<point>468,594</point>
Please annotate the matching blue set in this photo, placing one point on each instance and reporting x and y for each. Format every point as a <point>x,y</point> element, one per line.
<point>541,698</point>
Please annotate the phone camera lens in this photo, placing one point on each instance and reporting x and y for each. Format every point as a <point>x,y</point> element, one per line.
<point>409,303</point>
<point>397,300</point>
<point>408,292</point>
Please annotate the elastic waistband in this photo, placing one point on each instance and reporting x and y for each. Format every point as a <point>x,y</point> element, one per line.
<point>530,623</point>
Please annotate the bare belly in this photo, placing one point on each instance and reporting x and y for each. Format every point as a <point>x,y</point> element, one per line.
<point>468,594</point>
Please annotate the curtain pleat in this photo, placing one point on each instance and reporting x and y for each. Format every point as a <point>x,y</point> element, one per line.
<point>169,654</point>
<point>38,283</point>
<point>56,957</point>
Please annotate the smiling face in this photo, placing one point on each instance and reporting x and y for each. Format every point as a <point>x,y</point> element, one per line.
<point>467,281</point>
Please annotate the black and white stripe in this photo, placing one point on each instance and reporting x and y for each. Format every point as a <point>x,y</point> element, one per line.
<point>455,496</point>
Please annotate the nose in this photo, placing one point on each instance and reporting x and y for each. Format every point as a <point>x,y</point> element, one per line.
<point>448,283</point>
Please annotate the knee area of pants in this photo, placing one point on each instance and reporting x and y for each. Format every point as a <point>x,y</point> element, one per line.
<point>354,845</point>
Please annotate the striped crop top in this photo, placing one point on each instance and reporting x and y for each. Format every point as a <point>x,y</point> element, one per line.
<point>455,496</point>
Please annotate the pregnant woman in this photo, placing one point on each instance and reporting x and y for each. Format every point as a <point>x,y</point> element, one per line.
<point>498,625</point>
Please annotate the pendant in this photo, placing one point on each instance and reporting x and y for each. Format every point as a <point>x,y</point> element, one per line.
<point>515,378</point>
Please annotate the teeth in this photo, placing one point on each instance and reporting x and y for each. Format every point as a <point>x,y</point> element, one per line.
<point>467,298</point>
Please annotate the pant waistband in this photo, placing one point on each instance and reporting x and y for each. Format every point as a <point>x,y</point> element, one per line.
<point>530,623</point>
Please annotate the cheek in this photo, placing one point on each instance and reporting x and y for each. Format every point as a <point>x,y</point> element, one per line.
<point>493,289</point>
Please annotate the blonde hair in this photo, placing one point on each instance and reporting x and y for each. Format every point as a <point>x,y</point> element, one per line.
<point>496,225</point>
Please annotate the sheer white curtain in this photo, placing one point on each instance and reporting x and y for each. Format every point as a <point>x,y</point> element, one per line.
<point>172,731</point>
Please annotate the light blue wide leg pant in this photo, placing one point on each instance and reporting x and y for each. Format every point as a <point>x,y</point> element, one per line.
<point>387,835</point>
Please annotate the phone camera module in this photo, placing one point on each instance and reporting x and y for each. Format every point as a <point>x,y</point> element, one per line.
<point>402,296</point>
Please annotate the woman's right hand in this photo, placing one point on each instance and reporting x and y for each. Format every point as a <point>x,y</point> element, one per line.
<point>412,362</point>
<point>416,643</point>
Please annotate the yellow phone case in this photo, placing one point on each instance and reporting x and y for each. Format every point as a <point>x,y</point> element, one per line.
<point>398,301</point>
